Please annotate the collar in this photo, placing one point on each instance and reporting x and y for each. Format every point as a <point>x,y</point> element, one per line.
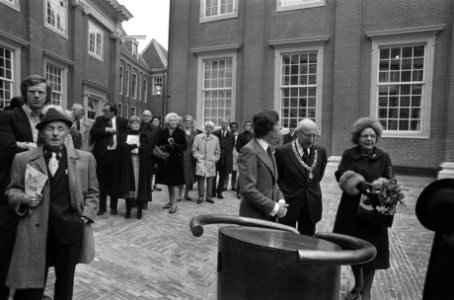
<point>263,144</point>
<point>301,149</point>
<point>29,112</point>
<point>47,150</point>
<point>375,154</point>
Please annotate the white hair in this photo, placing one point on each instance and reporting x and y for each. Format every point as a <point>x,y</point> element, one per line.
<point>208,123</point>
<point>168,116</point>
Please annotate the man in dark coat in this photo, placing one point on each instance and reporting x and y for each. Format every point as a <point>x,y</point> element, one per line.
<point>291,135</point>
<point>105,132</point>
<point>245,136</point>
<point>225,164</point>
<point>301,166</point>
<point>17,135</point>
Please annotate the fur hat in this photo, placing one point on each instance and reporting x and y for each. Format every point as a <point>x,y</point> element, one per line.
<point>53,115</point>
<point>435,206</point>
<point>363,123</point>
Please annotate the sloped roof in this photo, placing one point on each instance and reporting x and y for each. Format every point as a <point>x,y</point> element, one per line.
<point>155,55</point>
<point>139,59</point>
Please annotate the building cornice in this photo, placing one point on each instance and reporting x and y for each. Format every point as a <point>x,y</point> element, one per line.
<point>14,39</point>
<point>432,29</point>
<point>321,39</point>
<point>217,48</point>
<point>58,58</point>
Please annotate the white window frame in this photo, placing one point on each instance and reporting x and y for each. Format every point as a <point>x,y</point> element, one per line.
<point>120,109</point>
<point>218,16</point>
<point>286,5</point>
<point>61,12</point>
<point>14,4</point>
<point>126,111</point>
<point>289,49</point>
<point>200,82</point>
<point>134,85</point>
<point>429,41</point>
<point>135,49</point>
<point>62,92</point>
<point>98,33</point>
<point>145,90</point>
<point>122,79</point>
<point>128,75</point>
<point>14,80</point>
<point>139,85</point>
<point>157,81</point>
<point>133,111</point>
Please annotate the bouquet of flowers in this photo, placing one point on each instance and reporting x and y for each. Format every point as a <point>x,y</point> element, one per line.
<point>380,204</point>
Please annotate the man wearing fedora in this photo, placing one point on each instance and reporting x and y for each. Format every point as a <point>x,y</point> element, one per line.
<point>54,227</point>
<point>435,210</point>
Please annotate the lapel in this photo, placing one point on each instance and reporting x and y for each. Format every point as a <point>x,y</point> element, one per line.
<point>263,155</point>
<point>23,124</point>
<point>72,156</point>
<point>37,160</point>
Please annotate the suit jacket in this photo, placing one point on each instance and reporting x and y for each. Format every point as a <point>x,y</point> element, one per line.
<point>289,138</point>
<point>258,182</point>
<point>28,262</point>
<point>296,185</point>
<point>243,138</point>
<point>14,127</point>
<point>101,138</point>
<point>226,143</point>
<point>85,127</point>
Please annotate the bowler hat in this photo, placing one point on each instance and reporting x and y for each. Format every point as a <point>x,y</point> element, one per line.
<point>53,115</point>
<point>435,206</point>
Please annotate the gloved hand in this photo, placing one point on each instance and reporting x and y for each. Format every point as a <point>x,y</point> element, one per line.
<point>364,187</point>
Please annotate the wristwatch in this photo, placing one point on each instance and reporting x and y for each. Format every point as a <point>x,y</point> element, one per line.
<point>85,219</point>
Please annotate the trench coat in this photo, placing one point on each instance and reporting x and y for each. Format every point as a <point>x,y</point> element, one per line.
<point>206,151</point>
<point>28,262</point>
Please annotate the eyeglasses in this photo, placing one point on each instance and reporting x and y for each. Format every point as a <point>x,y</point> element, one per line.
<point>365,136</point>
<point>313,135</point>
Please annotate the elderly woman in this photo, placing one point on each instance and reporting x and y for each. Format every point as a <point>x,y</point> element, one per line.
<point>360,166</point>
<point>155,121</point>
<point>189,162</point>
<point>171,173</point>
<point>206,151</point>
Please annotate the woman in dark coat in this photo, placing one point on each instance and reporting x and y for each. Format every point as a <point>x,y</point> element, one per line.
<point>360,166</point>
<point>189,161</point>
<point>171,173</point>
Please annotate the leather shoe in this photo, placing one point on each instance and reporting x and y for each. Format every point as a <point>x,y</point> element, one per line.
<point>220,196</point>
<point>113,211</point>
<point>210,201</point>
<point>45,297</point>
<point>199,201</point>
<point>100,212</point>
<point>167,205</point>
<point>144,206</point>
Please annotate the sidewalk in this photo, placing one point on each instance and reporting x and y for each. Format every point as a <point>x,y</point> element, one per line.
<point>158,257</point>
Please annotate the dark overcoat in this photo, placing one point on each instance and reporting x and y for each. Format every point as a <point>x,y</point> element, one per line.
<point>172,172</point>
<point>376,164</point>
<point>226,143</point>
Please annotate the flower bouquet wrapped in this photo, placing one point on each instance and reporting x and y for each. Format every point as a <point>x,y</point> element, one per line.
<point>379,206</point>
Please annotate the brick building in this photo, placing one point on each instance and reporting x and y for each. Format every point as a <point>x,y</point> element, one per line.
<point>79,45</point>
<point>332,61</point>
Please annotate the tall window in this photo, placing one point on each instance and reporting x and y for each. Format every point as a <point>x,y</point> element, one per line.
<point>126,111</point>
<point>145,90</point>
<point>139,91</point>
<point>121,79</point>
<point>134,85</point>
<point>56,15</point>
<point>298,86</point>
<point>95,40</point>
<point>218,9</point>
<point>91,110</point>
<point>135,50</point>
<point>133,111</point>
<point>157,85</point>
<point>127,82</point>
<point>402,85</point>
<point>6,76</point>
<point>55,76</point>
<point>217,89</point>
<point>284,5</point>
<point>120,109</point>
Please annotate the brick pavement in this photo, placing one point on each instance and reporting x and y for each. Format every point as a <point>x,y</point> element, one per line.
<point>158,258</point>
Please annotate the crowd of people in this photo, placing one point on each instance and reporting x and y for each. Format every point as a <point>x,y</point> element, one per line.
<point>86,162</point>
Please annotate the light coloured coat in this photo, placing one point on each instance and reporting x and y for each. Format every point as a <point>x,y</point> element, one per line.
<point>85,127</point>
<point>206,151</point>
<point>28,262</point>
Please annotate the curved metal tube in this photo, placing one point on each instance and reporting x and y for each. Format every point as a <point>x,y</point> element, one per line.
<point>197,222</point>
<point>355,251</point>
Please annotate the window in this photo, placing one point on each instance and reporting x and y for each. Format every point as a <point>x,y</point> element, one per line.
<point>135,50</point>
<point>157,85</point>
<point>56,77</point>
<point>133,111</point>
<point>139,91</point>
<point>121,79</point>
<point>402,85</point>
<point>120,109</point>
<point>285,5</point>
<point>145,90</point>
<point>95,41</point>
<point>91,109</point>
<point>12,3</point>
<point>299,83</point>
<point>56,12</point>
<point>6,76</point>
<point>126,112</point>
<point>134,85</point>
<point>217,89</point>
<point>127,83</point>
<point>212,10</point>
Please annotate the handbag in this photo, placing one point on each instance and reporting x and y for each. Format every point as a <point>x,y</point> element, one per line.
<point>160,154</point>
<point>370,210</point>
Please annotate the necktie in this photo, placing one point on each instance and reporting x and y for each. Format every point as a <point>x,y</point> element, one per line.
<point>305,155</point>
<point>53,164</point>
<point>78,125</point>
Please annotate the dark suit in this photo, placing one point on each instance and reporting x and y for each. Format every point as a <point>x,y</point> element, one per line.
<point>152,132</point>
<point>14,127</point>
<point>224,165</point>
<point>243,138</point>
<point>258,182</point>
<point>303,194</point>
<point>104,157</point>
<point>289,137</point>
